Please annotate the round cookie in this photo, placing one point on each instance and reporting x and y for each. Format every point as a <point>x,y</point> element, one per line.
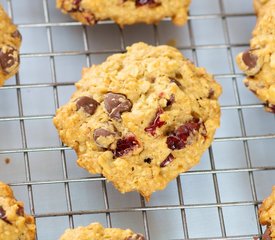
<point>96,231</point>
<point>141,118</point>
<point>126,12</point>
<point>10,41</point>
<point>14,223</point>
<point>258,63</point>
<point>267,216</point>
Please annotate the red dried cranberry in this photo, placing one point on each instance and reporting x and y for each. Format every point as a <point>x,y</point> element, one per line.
<point>167,160</point>
<point>170,101</point>
<point>155,123</point>
<point>125,145</point>
<point>20,211</point>
<point>3,215</point>
<point>140,3</point>
<point>178,138</point>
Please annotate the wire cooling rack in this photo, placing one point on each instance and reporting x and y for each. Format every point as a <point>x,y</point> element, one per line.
<point>218,199</point>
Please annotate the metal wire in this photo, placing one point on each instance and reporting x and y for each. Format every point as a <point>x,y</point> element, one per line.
<point>144,209</point>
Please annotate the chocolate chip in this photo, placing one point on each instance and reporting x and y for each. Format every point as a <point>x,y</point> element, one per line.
<point>116,104</point>
<point>172,80</point>
<point>88,104</point>
<point>147,160</point>
<point>249,59</point>
<point>16,34</point>
<point>170,101</point>
<point>135,237</point>
<point>8,59</point>
<point>3,215</point>
<point>101,132</point>
<point>167,160</point>
<point>20,211</point>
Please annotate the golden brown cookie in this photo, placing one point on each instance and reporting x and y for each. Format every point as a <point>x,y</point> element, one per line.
<point>258,63</point>
<point>14,223</point>
<point>141,118</point>
<point>10,41</point>
<point>126,12</point>
<point>267,216</point>
<point>96,231</point>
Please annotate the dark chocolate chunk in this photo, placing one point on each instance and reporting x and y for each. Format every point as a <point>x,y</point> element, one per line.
<point>249,59</point>
<point>173,80</point>
<point>8,59</point>
<point>88,104</point>
<point>167,160</point>
<point>170,101</point>
<point>147,160</point>
<point>101,132</point>
<point>116,104</point>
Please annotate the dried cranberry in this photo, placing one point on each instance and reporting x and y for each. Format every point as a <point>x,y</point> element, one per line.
<point>167,160</point>
<point>20,211</point>
<point>155,123</point>
<point>75,6</point>
<point>3,215</point>
<point>270,107</point>
<point>178,138</point>
<point>125,145</point>
<point>140,3</point>
<point>267,234</point>
<point>170,101</point>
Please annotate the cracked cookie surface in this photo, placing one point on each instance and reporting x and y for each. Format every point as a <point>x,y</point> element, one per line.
<point>15,224</point>
<point>126,12</point>
<point>96,231</point>
<point>141,118</point>
<point>10,41</point>
<point>267,216</point>
<point>258,63</point>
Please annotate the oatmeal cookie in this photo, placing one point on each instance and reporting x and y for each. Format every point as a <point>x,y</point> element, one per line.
<point>141,118</point>
<point>96,231</point>
<point>10,41</point>
<point>126,12</point>
<point>258,63</point>
<point>14,223</point>
<point>267,216</point>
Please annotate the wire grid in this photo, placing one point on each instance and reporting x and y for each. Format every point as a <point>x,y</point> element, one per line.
<point>144,209</point>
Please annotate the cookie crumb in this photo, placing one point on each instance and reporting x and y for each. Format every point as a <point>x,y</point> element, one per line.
<point>7,160</point>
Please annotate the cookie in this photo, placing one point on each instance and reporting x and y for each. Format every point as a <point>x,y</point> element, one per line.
<point>10,41</point>
<point>141,118</point>
<point>96,231</point>
<point>14,223</point>
<point>267,216</point>
<point>126,12</point>
<point>258,62</point>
